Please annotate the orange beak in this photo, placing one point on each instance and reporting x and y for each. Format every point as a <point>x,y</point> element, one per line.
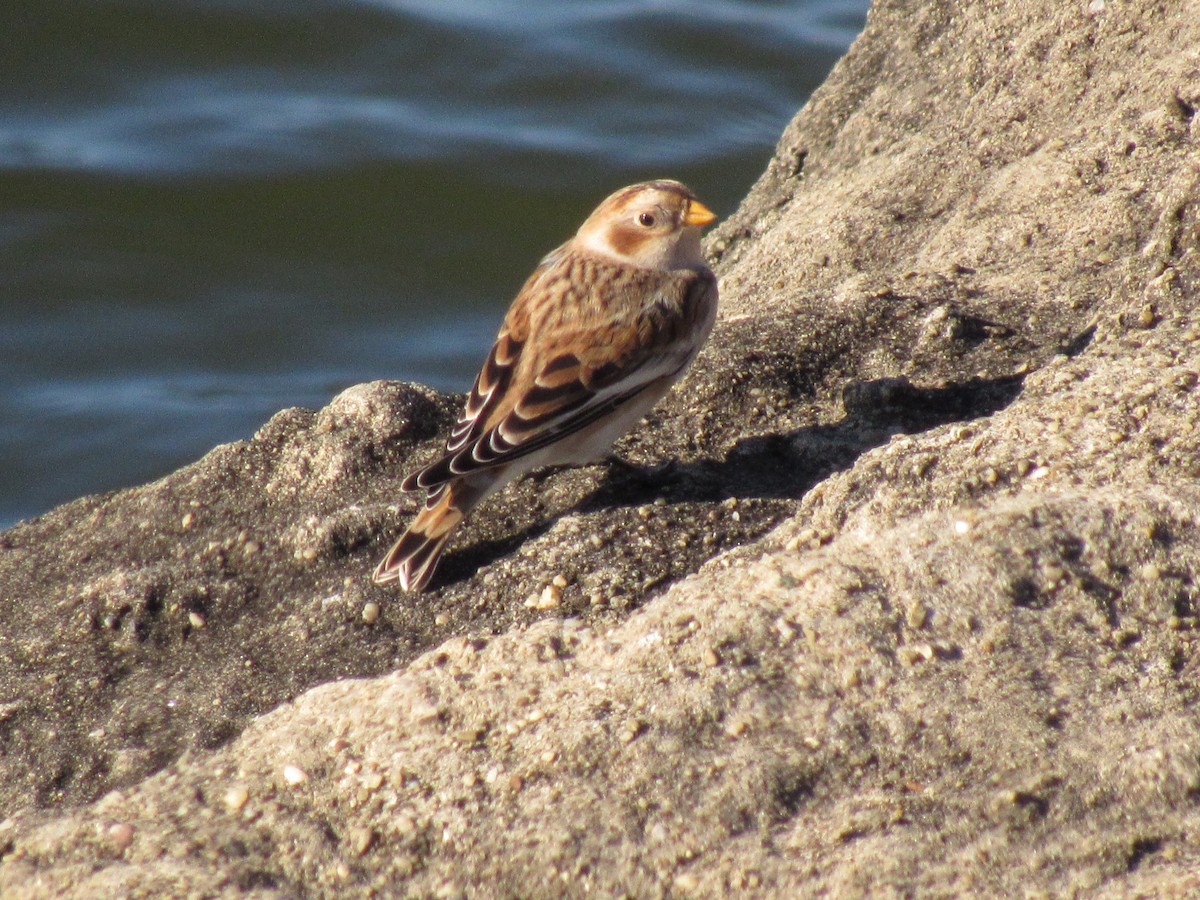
<point>698,214</point>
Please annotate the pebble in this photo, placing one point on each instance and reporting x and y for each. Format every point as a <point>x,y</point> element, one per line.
<point>550,597</point>
<point>921,466</point>
<point>424,711</point>
<point>806,538</point>
<point>370,613</point>
<point>1054,575</point>
<point>235,798</point>
<point>196,620</point>
<point>686,882</point>
<point>633,728</point>
<point>187,520</point>
<point>912,655</point>
<point>470,735</point>
<point>121,834</point>
<point>294,775</point>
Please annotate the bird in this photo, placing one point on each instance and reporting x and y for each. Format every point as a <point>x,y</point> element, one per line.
<point>596,336</point>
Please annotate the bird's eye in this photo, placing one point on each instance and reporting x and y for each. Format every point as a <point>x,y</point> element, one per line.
<point>646,219</point>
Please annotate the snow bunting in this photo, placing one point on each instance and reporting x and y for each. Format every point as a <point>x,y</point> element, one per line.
<point>596,336</point>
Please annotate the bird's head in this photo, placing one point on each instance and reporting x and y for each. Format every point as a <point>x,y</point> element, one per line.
<point>654,225</point>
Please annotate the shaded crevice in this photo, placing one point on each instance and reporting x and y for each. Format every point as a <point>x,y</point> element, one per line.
<point>777,469</point>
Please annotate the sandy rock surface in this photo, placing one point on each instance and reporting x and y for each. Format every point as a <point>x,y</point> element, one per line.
<point>904,601</point>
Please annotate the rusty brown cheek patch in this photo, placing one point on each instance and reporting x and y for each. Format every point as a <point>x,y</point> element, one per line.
<point>627,241</point>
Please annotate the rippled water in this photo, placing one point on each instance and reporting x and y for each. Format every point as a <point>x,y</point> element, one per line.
<point>212,210</point>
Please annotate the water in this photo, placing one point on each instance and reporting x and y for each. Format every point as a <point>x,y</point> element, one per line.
<point>212,210</point>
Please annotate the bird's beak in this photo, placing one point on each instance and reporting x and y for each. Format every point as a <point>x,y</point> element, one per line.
<point>698,214</point>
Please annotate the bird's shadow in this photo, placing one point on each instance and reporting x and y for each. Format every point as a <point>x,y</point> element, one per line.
<point>781,466</point>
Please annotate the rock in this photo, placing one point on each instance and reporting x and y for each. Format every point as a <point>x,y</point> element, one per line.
<point>906,605</point>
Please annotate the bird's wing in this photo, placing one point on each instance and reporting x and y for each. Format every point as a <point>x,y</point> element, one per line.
<point>534,392</point>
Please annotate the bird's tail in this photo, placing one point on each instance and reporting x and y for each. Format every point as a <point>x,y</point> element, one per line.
<point>414,558</point>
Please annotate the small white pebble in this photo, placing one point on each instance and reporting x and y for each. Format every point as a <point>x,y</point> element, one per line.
<point>961,526</point>
<point>686,882</point>
<point>549,598</point>
<point>121,834</point>
<point>235,798</point>
<point>424,711</point>
<point>187,520</point>
<point>196,620</point>
<point>370,613</point>
<point>1150,572</point>
<point>294,775</point>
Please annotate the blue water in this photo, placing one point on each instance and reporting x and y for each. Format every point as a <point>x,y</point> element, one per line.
<point>213,210</point>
